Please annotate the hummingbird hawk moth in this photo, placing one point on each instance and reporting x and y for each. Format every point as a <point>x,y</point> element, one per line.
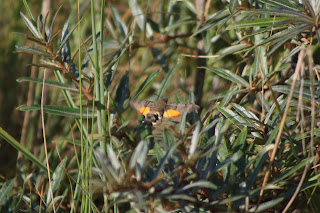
<point>154,111</point>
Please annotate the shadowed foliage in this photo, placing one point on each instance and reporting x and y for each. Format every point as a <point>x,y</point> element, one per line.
<point>251,144</point>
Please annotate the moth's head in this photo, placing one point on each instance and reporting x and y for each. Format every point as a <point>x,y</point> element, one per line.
<point>151,119</point>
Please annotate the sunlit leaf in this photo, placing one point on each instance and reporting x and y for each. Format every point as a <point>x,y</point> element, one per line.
<point>141,20</point>
<point>261,22</point>
<point>282,3</point>
<point>31,50</point>
<point>31,26</point>
<point>228,75</point>
<point>138,158</point>
<point>119,22</point>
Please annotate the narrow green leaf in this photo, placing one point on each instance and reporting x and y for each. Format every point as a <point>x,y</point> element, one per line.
<point>45,66</point>
<point>218,131</point>
<point>282,4</point>
<point>119,22</point>
<point>141,20</point>
<point>165,83</point>
<point>284,35</point>
<point>6,191</point>
<point>145,83</point>
<point>160,59</point>
<point>177,25</point>
<point>287,36</point>
<point>190,5</point>
<point>259,22</point>
<point>268,205</point>
<point>307,134</point>
<point>45,30</point>
<point>249,116</point>
<point>228,93</point>
<point>227,97</point>
<point>57,110</point>
<point>66,37</point>
<point>260,161</point>
<point>111,28</point>
<point>138,158</point>
<point>62,197</point>
<point>182,126</point>
<point>33,205</point>
<point>184,197</point>
<point>200,185</point>
<point>240,143</point>
<point>48,82</point>
<point>195,140</point>
<point>123,91</point>
<point>231,199</point>
<point>272,108</point>
<point>31,50</point>
<point>215,19</point>
<point>36,40</point>
<point>228,75</point>
<point>106,166</point>
<point>113,159</point>
<point>113,64</point>
<point>281,12</point>
<point>56,199</point>
<point>22,149</point>
<point>233,49</point>
<point>285,89</point>
<point>31,26</point>
<point>292,170</point>
<point>291,53</point>
<point>22,192</point>
<point>233,6</point>
<point>52,24</point>
<point>170,14</point>
<point>28,9</point>
<point>226,161</point>
<point>239,147</point>
<point>310,9</point>
<point>208,127</point>
<point>57,177</point>
<point>232,116</point>
<point>164,158</point>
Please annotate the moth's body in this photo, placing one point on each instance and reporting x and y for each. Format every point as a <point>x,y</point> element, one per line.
<point>155,111</point>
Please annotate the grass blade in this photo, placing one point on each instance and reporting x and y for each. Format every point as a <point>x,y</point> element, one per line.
<point>57,110</point>
<point>22,149</point>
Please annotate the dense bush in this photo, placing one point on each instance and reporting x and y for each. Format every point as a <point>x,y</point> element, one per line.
<point>252,68</point>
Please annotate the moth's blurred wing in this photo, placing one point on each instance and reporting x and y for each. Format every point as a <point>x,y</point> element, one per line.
<point>175,110</point>
<point>170,113</point>
<point>143,107</point>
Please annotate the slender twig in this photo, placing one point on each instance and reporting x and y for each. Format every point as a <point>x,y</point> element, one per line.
<point>45,141</point>
<point>283,120</point>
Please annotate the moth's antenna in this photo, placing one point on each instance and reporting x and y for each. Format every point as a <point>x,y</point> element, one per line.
<point>158,96</point>
<point>173,93</point>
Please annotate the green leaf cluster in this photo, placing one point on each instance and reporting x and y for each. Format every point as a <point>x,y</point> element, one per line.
<point>251,66</point>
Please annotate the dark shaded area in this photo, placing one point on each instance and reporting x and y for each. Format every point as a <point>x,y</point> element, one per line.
<point>12,66</point>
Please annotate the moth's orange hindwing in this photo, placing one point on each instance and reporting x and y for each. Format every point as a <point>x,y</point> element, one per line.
<point>170,113</point>
<point>143,110</point>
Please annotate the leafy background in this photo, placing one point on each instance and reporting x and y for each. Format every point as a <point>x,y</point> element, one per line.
<point>252,67</point>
